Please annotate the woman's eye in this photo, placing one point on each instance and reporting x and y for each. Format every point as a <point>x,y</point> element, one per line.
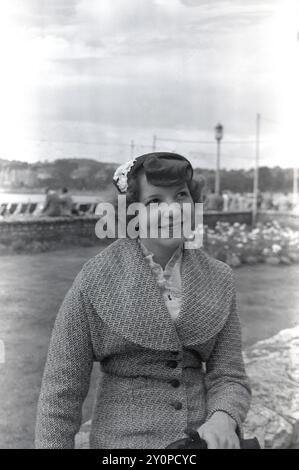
<point>182,194</point>
<point>153,201</point>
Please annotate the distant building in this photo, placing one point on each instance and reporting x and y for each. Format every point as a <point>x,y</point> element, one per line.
<point>18,177</point>
<point>44,175</point>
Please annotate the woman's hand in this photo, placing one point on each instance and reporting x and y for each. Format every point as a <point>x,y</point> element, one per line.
<point>219,432</point>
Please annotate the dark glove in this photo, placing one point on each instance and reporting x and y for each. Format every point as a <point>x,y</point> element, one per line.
<point>194,441</point>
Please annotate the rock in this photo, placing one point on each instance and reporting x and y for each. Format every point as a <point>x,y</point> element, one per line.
<point>272,260</point>
<point>271,429</point>
<point>273,368</point>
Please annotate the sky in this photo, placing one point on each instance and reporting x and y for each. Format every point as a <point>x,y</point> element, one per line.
<point>98,79</point>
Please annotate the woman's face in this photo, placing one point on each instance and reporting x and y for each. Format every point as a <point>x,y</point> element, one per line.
<point>165,222</point>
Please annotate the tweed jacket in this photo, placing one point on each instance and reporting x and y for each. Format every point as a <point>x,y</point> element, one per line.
<point>158,376</point>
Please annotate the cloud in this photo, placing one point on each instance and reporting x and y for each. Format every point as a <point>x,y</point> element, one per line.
<point>44,13</point>
<point>168,63</point>
<point>133,27</point>
<point>193,3</point>
<point>117,17</point>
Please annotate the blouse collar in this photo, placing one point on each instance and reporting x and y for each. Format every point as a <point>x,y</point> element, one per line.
<point>177,254</point>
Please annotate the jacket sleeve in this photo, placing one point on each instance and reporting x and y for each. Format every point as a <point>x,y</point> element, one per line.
<point>227,385</point>
<point>66,377</point>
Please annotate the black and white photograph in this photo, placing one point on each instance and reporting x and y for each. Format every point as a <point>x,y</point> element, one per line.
<point>149,225</point>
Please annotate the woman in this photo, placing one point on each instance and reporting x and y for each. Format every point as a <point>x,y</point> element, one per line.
<point>161,320</point>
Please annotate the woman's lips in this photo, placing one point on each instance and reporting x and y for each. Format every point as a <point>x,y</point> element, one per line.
<point>171,225</point>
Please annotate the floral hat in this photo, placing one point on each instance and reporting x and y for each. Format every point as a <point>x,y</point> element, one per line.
<point>149,161</point>
<point>120,177</point>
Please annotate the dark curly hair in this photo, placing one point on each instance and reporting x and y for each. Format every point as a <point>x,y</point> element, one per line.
<point>161,169</point>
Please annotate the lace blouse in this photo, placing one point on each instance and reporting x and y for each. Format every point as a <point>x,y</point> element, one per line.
<point>169,279</point>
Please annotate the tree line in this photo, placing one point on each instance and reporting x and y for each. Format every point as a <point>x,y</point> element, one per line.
<point>88,174</point>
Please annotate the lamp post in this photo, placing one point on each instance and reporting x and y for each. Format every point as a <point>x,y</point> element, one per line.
<point>295,186</point>
<point>132,146</point>
<point>218,137</point>
<point>256,170</point>
<point>154,143</point>
<point>295,169</point>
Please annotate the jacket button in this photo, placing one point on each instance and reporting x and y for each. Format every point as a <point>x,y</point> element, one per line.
<point>172,364</point>
<point>175,383</point>
<point>177,405</point>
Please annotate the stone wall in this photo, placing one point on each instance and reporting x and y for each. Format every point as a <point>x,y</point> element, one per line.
<point>64,229</point>
<point>68,230</point>
<point>211,218</point>
<point>74,229</point>
<point>288,219</point>
<point>273,369</point>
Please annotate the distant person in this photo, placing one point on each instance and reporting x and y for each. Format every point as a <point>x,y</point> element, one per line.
<point>66,202</point>
<point>214,202</point>
<point>284,204</point>
<point>260,200</point>
<point>268,202</point>
<point>220,202</point>
<point>234,203</point>
<point>52,206</point>
<point>225,198</point>
<point>249,201</point>
<point>242,202</point>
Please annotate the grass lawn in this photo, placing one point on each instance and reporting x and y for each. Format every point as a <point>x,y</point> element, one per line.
<point>31,290</point>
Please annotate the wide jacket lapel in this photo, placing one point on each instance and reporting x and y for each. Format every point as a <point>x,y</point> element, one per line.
<point>126,296</point>
<point>207,291</point>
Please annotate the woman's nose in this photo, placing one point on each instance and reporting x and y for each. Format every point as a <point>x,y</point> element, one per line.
<point>170,201</point>
<point>171,215</point>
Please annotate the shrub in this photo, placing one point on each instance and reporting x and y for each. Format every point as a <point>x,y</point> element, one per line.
<point>268,242</point>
